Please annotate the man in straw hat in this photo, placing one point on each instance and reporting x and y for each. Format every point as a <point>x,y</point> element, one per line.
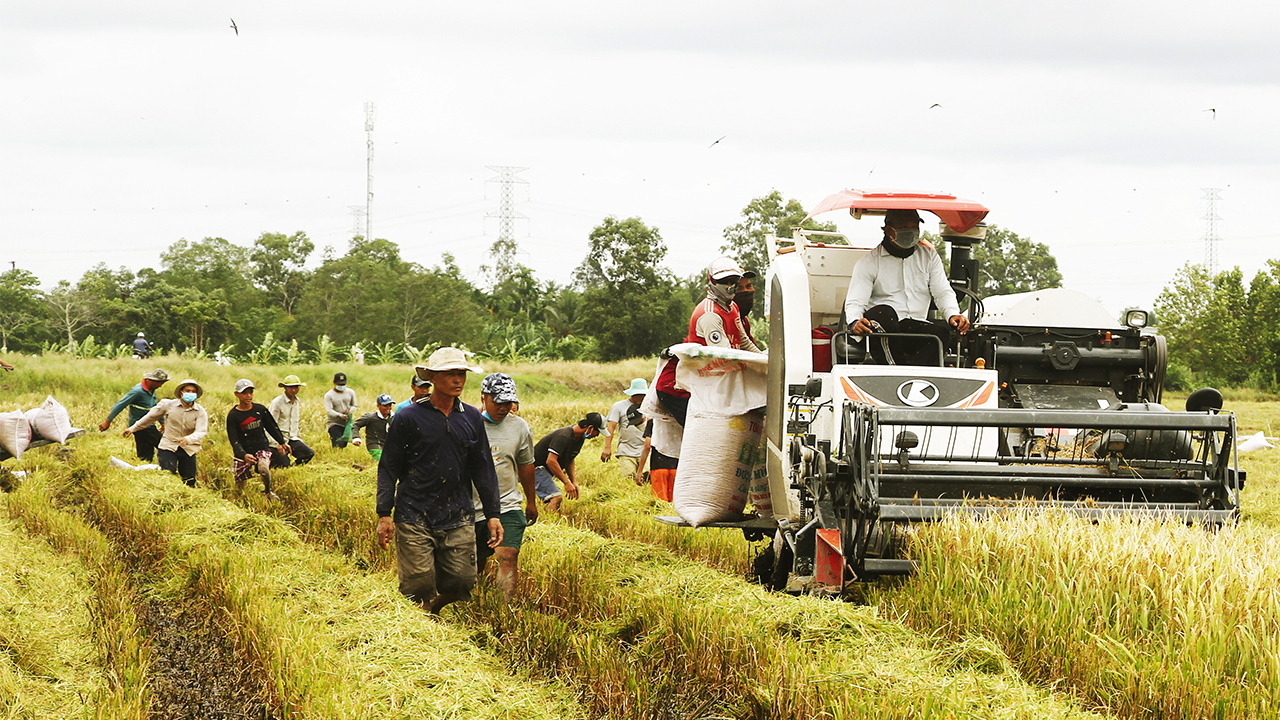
<point>435,454</point>
<point>140,399</point>
<point>287,411</point>
<point>185,425</point>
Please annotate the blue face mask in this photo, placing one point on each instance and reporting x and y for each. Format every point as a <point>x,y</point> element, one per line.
<point>188,397</point>
<point>485,413</point>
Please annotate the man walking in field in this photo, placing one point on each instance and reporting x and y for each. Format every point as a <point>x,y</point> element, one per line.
<point>339,409</point>
<point>435,457</point>
<point>511,444</point>
<point>140,399</point>
<point>555,456</point>
<point>375,426</point>
<point>627,424</point>
<point>248,425</point>
<point>420,388</point>
<point>287,411</point>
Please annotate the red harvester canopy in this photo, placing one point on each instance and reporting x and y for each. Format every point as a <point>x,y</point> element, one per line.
<point>959,215</point>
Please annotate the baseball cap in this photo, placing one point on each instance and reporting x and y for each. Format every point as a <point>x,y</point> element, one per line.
<point>420,382</point>
<point>385,399</point>
<point>447,358</point>
<point>339,378</point>
<point>291,381</point>
<point>500,387</point>
<point>157,375</point>
<point>595,420</point>
<point>723,267</point>
<point>244,384</point>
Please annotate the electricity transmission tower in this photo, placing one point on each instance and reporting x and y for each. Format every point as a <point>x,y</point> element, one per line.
<point>1211,238</point>
<point>368,202</point>
<point>357,213</point>
<point>503,250</point>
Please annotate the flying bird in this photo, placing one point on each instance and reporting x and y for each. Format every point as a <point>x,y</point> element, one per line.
<point>233,27</point>
<point>1211,110</point>
<point>716,142</point>
<point>935,105</point>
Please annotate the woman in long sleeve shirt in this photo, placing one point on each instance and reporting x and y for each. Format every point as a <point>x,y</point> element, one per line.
<point>185,425</point>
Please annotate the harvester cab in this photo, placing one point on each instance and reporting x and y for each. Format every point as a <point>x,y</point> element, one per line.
<point>1047,401</point>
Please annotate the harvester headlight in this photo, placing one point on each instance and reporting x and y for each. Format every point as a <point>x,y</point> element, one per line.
<point>1136,318</point>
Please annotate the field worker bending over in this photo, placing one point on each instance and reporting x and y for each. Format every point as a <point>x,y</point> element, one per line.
<point>511,443</point>
<point>375,424</point>
<point>339,410</point>
<point>554,457</point>
<point>436,456</point>
<point>248,424</point>
<point>287,411</point>
<point>893,285</point>
<point>185,425</point>
<point>715,321</point>
<point>140,399</point>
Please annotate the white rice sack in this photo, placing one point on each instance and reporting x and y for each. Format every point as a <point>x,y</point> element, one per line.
<point>15,432</point>
<point>31,420</point>
<point>116,462</point>
<point>717,465</point>
<point>1254,442</point>
<point>52,421</point>
<point>722,380</point>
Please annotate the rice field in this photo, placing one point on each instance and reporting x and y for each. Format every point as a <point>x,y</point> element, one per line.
<point>293,608</point>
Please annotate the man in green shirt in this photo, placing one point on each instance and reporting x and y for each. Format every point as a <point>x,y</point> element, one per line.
<point>140,399</point>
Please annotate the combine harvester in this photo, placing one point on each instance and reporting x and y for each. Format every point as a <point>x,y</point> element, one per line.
<point>1048,401</point>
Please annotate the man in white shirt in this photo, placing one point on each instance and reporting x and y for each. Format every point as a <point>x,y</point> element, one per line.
<point>287,410</point>
<point>893,285</point>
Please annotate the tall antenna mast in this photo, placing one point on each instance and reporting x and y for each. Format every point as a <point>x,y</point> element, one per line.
<point>1211,230</point>
<point>503,250</point>
<point>368,203</point>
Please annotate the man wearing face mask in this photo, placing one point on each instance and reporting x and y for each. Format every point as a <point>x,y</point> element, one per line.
<point>893,286</point>
<point>715,321</point>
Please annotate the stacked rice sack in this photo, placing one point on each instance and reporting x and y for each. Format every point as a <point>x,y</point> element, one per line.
<point>18,429</point>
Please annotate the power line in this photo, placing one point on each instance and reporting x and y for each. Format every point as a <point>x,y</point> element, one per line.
<point>368,201</point>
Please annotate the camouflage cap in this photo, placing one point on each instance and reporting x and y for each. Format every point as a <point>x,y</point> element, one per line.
<point>500,387</point>
<point>157,375</point>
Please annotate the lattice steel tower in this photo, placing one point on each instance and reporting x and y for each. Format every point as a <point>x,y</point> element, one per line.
<point>1211,238</point>
<point>368,201</point>
<point>503,250</point>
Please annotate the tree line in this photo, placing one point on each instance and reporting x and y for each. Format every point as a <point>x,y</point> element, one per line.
<point>262,304</point>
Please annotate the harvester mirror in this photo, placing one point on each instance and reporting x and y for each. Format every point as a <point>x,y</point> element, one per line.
<point>813,388</point>
<point>1204,399</point>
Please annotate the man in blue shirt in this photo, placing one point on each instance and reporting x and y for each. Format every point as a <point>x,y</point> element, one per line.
<point>436,452</point>
<point>140,399</point>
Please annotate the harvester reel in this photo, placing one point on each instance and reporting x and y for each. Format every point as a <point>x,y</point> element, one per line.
<point>857,500</point>
<point>1156,362</point>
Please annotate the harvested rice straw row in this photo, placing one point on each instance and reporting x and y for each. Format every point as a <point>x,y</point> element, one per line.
<point>47,650</point>
<point>803,657</point>
<point>336,643</point>
<point>123,656</point>
<point>1148,618</point>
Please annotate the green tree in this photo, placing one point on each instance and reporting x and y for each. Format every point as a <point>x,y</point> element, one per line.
<point>20,308</point>
<point>278,266</point>
<point>71,309</point>
<point>631,306</point>
<point>767,215</point>
<point>1205,320</point>
<point>1009,263</point>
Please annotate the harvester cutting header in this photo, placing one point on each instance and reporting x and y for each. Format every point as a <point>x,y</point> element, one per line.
<point>895,395</point>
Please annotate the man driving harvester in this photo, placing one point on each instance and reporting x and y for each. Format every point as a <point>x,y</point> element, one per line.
<point>891,289</point>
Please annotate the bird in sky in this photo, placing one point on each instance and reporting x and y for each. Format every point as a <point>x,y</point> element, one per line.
<point>233,27</point>
<point>935,105</point>
<point>1211,110</point>
<point>716,142</point>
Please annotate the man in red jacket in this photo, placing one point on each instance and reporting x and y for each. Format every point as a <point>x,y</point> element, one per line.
<point>715,321</point>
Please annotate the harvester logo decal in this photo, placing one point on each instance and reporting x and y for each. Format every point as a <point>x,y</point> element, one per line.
<point>918,393</point>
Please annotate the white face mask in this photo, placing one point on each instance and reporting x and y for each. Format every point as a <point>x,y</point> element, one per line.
<point>906,237</point>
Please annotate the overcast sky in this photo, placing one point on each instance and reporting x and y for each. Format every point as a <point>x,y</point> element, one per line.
<point>1084,126</point>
